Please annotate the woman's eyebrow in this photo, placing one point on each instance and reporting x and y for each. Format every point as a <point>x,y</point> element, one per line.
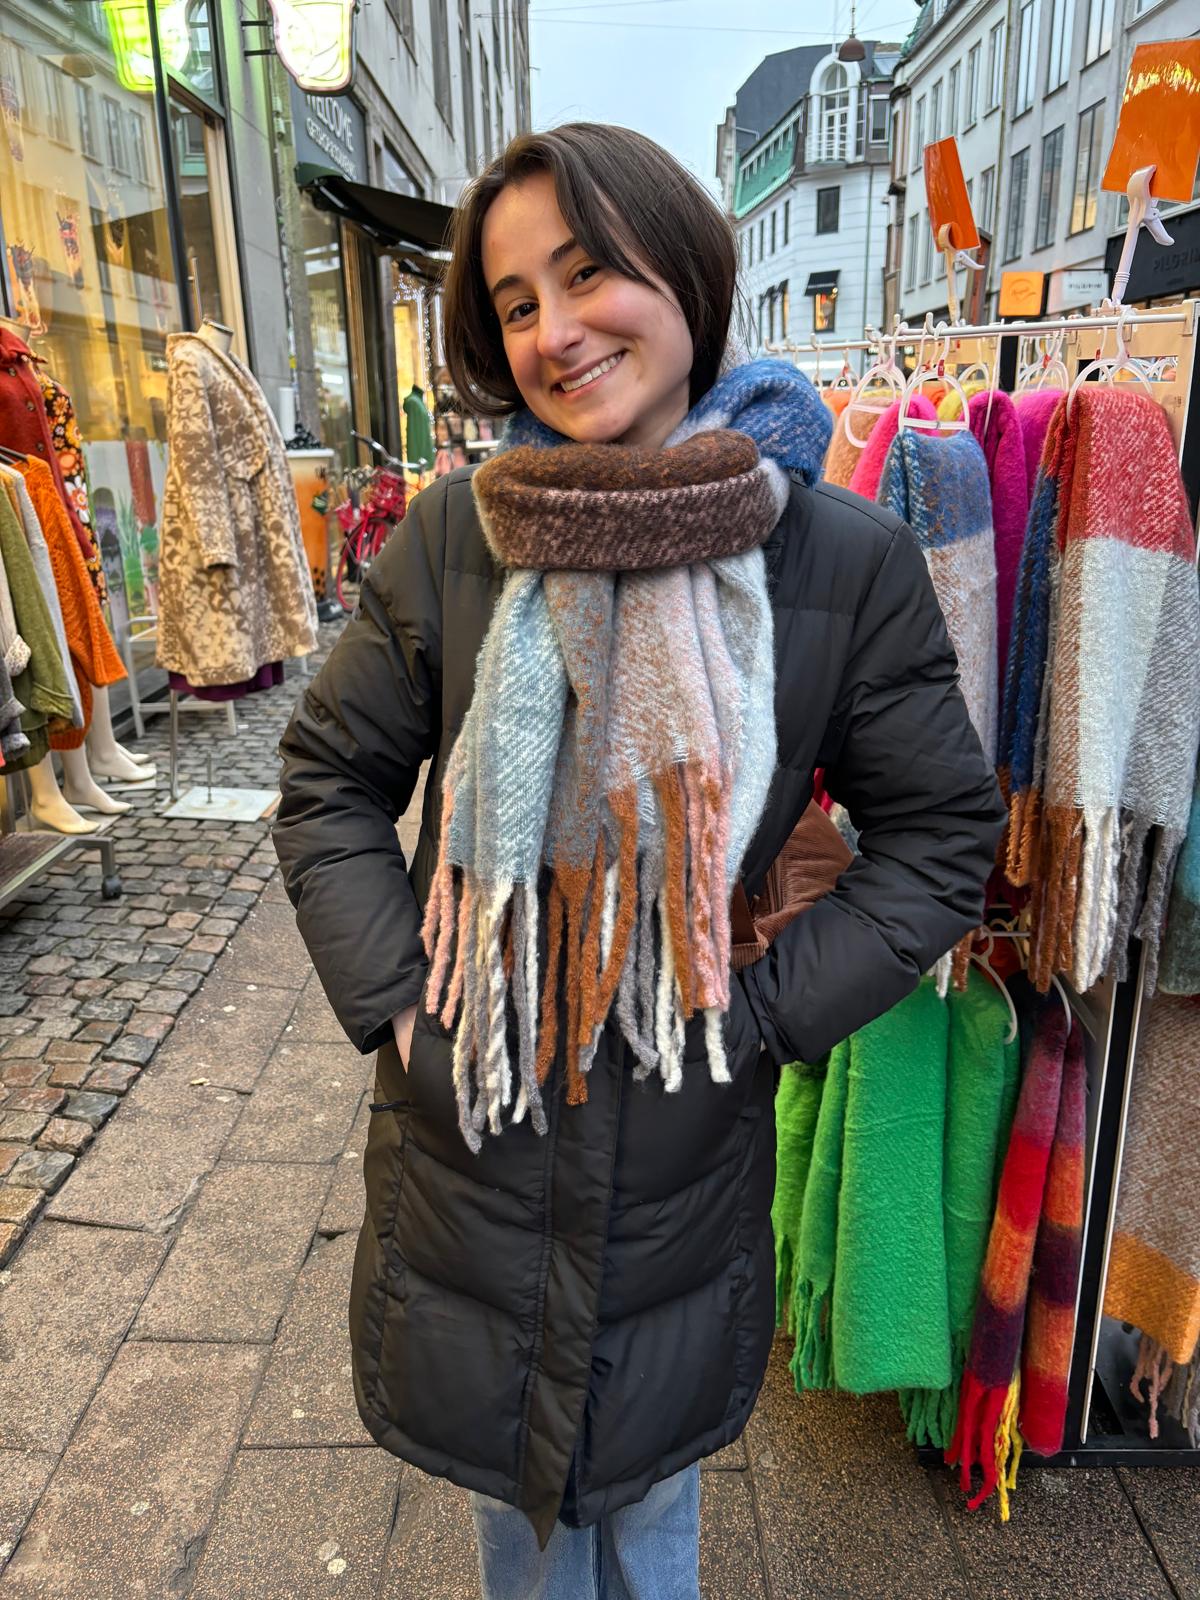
<point>555,256</point>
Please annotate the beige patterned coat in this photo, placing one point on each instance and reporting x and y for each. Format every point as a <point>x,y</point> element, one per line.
<point>234,585</point>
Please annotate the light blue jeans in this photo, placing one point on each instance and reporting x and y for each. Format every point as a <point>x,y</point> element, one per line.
<point>648,1551</point>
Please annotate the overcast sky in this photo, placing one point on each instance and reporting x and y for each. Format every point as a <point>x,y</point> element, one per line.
<point>669,68</point>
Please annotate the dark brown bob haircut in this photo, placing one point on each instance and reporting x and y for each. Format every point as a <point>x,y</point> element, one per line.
<point>633,208</point>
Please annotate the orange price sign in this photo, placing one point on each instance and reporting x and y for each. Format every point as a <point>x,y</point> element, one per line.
<point>1021,294</point>
<point>946,192</point>
<point>1159,121</point>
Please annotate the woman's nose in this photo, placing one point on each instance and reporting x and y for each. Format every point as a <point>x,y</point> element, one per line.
<point>558,330</point>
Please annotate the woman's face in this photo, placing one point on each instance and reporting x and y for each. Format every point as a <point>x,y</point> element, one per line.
<point>596,356</point>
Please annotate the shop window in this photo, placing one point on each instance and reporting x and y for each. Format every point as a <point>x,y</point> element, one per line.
<point>201,207</point>
<point>825,311</point>
<point>324,284</point>
<point>137,145</point>
<point>88,269</point>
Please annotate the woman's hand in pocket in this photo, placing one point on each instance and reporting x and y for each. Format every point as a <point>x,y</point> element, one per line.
<point>402,1029</point>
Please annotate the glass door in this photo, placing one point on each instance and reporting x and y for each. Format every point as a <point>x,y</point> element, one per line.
<point>198,145</point>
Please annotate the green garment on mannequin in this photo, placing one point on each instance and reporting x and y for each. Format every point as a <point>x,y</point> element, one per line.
<point>418,429</point>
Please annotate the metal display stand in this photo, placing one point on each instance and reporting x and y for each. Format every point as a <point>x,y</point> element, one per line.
<point>26,853</point>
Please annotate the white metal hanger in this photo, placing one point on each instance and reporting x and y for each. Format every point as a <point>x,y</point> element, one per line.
<point>1106,367</point>
<point>882,375</point>
<point>931,372</point>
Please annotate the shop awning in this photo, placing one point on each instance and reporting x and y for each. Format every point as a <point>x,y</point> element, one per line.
<point>396,221</point>
<point>822,282</point>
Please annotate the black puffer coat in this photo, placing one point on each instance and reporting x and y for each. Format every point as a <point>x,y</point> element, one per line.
<point>560,1322</point>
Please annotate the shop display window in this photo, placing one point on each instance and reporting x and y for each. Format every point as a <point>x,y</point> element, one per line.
<point>321,254</point>
<point>87,260</point>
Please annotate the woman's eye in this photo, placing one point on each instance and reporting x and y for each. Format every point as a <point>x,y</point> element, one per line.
<point>515,313</point>
<point>584,273</point>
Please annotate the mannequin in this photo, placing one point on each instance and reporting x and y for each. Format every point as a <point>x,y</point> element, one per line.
<point>47,806</point>
<point>108,758</point>
<point>217,335</point>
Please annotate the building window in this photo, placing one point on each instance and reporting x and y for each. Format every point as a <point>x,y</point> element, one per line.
<point>1058,70</point>
<point>987,198</point>
<point>114,133</point>
<point>1047,211</point>
<point>1018,191</point>
<point>971,102</point>
<point>401,12</point>
<point>749,238</point>
<point>1099,30</point>
<point>467,74</point>
<point>824,311</point>
<point>87,123</point>
<point>879,120</point>
<point>952,101</point>
<point>995,66</point>
<point>926,250</point>
<point>762,227</point>
<point>1087,168</point>
<point>439,24</point>
<point>783,309</point>
<point>137,143</point>
<point>1026,55</point>
<point>56,111</point>
<point>910,259</point>
<point>787,220</point>
<point>835,113</point>
<point>918,134</point>
<point>829,206</point>
<point>772,233</point>
<point>935,112</point>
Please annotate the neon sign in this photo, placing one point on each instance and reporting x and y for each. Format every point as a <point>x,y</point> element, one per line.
<point>315,42</point>
<point>129,31</point>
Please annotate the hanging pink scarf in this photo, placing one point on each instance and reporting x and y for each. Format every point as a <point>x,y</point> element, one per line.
<point>868,472</point>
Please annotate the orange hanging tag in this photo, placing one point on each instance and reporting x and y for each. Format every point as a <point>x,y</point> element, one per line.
<point>946,192</point>
<point>1159,122</point>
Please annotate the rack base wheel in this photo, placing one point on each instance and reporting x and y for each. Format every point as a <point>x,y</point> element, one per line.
<point>111,887</point>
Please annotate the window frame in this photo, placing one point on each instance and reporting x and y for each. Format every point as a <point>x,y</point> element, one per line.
<point>1062,38</point>
<point>935,112</point>
<point>879,100</point>
<point>1014,217</point>
<point>971,100</point>
<point>1104,11</point>
<point>1095,154</point>
<point>926,249</point>
<point>1045,226</point>
<point>828,302</point>
<point>910,256</point>
<point>1027,38</point>
<point>995,88</point>
<point>919,133</point>
<point>987,200</point>
<point>952,78</point>
<point>834,189</point>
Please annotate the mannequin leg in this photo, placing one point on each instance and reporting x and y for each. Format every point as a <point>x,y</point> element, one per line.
<point>47,806</point>
<point>108,758</point>
<point>81,789</point>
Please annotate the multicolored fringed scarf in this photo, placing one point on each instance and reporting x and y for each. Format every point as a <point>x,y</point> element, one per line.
<point>1180,970</point>
<point>868,470</point>
<point>615,758</point>
<point>1101,711</point>
<point>982,1084</point>
<point>994,423</point>
<point>939,485</point>
<point>1154,1268</point>
<point>1039,1216</point>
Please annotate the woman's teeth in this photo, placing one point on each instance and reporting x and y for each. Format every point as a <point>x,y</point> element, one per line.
<point>570,386</point>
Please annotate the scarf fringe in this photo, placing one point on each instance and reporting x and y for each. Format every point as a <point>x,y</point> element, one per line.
<point>649,937</point>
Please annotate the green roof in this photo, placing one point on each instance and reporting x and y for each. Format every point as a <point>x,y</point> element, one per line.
<point>756,186</point>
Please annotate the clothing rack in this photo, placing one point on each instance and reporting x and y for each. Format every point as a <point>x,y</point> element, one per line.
<point>1104,1425</point>
<point>26,853</point>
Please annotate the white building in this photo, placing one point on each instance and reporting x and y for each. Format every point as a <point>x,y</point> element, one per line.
<point>949,82</point>
<point>802,160</point>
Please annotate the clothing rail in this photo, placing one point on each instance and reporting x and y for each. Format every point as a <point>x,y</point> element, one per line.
<point>1185,314</point>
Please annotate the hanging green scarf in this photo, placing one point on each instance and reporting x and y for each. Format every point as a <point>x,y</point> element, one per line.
<point>983,1078</point>
<point>797,1107</point>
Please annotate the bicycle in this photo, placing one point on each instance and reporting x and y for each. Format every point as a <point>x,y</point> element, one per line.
<point>376,500</point>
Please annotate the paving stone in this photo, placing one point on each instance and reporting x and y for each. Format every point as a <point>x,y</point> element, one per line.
<point>99,1032</point>
<point>62,1133</point>
<point>11,1235</point>
<point>307,1396</point>
<point>730,1558</point>
<point>19,1046</point>
<point>732,1458</point>
<point>23,1126</point>
<point>90,988</point>
<point>314,1017</point>
<point>432,1552</point>
<point>237,1255</point>
<point>94,1109</point>
<point>204,943</point>
<point>346,1201</point>
<point>23,1476</point>
<point>8,1154</point>
<point>112,1077</point>
<point>19,1205</point>
<point>1071,1533</point>
<point>172,938</point>
<point>51,1005</point>
<point>1167,1500</point>
<point>170,1000</point>
<point>226,1034</point>
<point>302,1106</point>
<point>139,1174</point>
<point>127,1511</point>
<point>72,1050</point>
<point>219,927</point>
<point>41,1169</point>
<point>40,1097</point>
<point>104,1010</point>
<point>308,1524</point>
<point>53,965</point>
<point>70,1074</point>
<point>68,1300</point>
<point>195,961</point>
<point>22,1073</point>
<point>187,920</point>
<point>267,950</point>
<point>50,986</point>
<point>130,991</point>
<point>850,1512</point>
<point>130,1047</point>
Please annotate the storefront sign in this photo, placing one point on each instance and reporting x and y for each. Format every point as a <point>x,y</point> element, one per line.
<point>1071,289</point>
<point>330,132</point>
<point>1021,293</point>
<point>315,41</point>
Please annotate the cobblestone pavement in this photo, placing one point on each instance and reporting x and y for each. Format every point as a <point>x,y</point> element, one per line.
<point>177,1419</point>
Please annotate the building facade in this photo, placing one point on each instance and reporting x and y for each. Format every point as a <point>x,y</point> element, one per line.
<point>802,159</point>
<point>1031,89</point>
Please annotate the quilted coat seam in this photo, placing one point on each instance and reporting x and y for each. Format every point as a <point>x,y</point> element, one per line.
<point>388,1274</point>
